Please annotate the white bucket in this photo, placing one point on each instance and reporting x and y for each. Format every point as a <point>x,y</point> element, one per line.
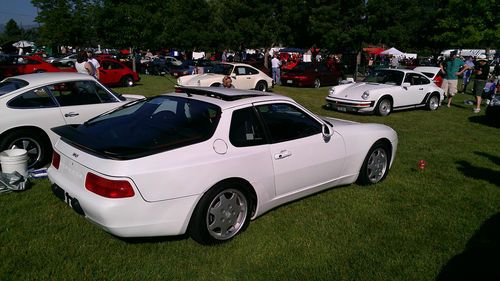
<point>14,160</point>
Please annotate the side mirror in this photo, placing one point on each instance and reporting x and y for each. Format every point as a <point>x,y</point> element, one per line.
<point>233,77</point>
<point>327,132</point>
<point>406,85</point>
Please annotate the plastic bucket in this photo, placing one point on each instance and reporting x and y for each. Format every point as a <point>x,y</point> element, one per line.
<point>14,160</point>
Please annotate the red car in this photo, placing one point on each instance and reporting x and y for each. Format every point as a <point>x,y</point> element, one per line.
<point>115,73</point>
<point>308,74</point>
<point>17,65</point>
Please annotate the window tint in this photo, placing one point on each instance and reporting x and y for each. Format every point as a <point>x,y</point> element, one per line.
<point>76,93</point>
<point>286,122</point>
<point>245,128</point>
<point>38,98</point>
<point>110,65</point>
<point>10,85</point>
<point>416,79</point>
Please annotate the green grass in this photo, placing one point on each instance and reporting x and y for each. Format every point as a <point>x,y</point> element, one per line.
<point>415,225</point>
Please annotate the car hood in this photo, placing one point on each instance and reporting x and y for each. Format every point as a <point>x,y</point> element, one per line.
<point>192,80</point>
<point>355,90</point>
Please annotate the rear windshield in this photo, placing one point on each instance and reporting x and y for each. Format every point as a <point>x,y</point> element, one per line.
<point>9,85</point>
<point>148,126</point>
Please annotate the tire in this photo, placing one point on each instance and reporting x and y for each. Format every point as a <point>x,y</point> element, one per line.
<point>432,103</point>
<point>261,86</point>
<point>376,164</point>
<point>215,85</point>
<point>384,107</point>
<point>222,213</point>
<point>317,83</point>
<point>40,71</point>
<point>38,146</point>
<point>127,81</point>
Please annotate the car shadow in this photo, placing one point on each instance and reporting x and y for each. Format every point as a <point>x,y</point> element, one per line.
<point>484,120</point>
<point>481,258</point>
<point>479,173</point>
<point>153,240</point>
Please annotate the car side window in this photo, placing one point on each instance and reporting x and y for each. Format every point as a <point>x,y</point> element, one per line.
<point>38,98</point>
<point>240,70</point>
<point>421,80</point>
<point>246,130</point>
<point>251,71</point>
<point>104,95</point>
<point>74,93</point>
<point>286,122</point>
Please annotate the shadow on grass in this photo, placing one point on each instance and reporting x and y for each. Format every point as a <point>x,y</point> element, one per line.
<point>152,240</point>
<point>484,120</point>
<point>479,173</point>
<point>481,258</point>
<point>492,158</point>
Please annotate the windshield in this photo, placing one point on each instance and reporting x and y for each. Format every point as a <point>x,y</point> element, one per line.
<point>159,123</point>
<point>224,69</point>
<point>385,76</point>
<point>9,85</point>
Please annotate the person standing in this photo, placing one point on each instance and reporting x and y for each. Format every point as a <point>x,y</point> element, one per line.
<point>451,70</point>
<point>467,74</point>
<point>94,63</point>
<point>481,72</point>
<point>83,65</point>
<point>275,65</point>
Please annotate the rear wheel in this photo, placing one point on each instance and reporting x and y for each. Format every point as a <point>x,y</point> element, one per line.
<point>222,213</point>
<point>376,164</point>
<point>384,107</point>
<point>37,145</point>
<point>127,81</point>
<point>261,86</point>
<point>433,102</point>
<point>317,83</point>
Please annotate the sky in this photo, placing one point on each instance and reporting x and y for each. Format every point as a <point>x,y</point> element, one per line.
<point>22,11</point>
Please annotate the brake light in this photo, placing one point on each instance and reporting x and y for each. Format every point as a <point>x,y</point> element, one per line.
<point>56,160</point>
<point>108,188</point>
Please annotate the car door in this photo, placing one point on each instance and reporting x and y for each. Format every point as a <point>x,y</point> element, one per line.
<point>82,100</point>
<point>110,72</point>
<point>302,157</point>
<point>244,77</point>
<point>413,94</point>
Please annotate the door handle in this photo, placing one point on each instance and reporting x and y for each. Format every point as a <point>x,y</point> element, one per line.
<point>420,88</point>
<point>283,154</point>
<point>71,114</point>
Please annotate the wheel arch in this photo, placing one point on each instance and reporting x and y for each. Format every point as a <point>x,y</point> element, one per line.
<point>32,128</point>
<point>381,141</point>
<point>261,81</point>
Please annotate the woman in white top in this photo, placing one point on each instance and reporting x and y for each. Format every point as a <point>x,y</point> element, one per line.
<point>82,64</point>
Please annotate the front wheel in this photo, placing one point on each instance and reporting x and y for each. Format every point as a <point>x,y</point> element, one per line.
<point>384,107</point>
<point>317,83</point>
<point>261,86</point>
<point>222,213</point>
<point>376,164</point>
<point>127,81</point>
<point>433,103</point>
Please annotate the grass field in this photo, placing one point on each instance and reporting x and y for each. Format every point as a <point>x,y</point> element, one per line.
<point>442,223</point>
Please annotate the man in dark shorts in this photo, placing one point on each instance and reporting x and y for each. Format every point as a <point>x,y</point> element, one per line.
<point>481,71</point>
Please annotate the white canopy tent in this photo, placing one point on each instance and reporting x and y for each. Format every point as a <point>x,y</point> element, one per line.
<point>392,51</point>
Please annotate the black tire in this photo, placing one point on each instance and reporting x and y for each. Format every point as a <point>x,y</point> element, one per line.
<point>317,83</point>
<point>127,81</point>
<point>261,86</point>
<point>40,71</point>
<point>384,107</point>
<point>223,212</point>
<point>376,164</point>
<point>215,85</point>
<point>432,103</point>
<point>37,144</point>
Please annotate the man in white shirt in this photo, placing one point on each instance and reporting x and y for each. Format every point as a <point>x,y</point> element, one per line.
<point>275,65</point>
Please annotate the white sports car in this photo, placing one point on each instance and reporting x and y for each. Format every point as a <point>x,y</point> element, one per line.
<point>385,90</point>
<point>32,104</point>
<point>208,160</point>
<point>244,77</point>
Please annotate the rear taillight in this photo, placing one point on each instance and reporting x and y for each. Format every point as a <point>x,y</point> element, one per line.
<point>108,188</point>
<point>56,160</point>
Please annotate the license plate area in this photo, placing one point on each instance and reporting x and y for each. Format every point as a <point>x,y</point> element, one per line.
<point>68,199</point>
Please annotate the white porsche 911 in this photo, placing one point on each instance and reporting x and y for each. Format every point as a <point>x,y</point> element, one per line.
<point>385,90</point>
<point>205,161</point>
<point>244,76</point>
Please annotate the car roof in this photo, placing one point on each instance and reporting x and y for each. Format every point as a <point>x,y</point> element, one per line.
<point>227,98</point>
<point>51,77</point>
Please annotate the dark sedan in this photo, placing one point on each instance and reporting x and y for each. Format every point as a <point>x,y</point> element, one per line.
<point>311,75</point>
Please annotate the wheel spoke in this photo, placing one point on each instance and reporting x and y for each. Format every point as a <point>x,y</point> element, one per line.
<point>377,165</point>
<point>226,214</point>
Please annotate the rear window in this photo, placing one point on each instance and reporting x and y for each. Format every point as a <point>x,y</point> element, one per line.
<point>152,125</point>
<point>10,85</point>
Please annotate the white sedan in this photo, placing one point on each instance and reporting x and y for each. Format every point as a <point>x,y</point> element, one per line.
<point>385,90</point>
<point>244,77</point>
<point>32,104</point>
<point>207,160</point>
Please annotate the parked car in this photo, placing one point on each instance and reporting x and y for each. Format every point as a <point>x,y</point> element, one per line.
<point>190,67</point>
<point>385,90</point>
<point>432,72</point>
<point>115,73</point>
<point>306,74</point>
<point>68,60</point>
<point>207,160</point>
<point>32,104</point>
<point>18,65</point>
<point>243,75</point>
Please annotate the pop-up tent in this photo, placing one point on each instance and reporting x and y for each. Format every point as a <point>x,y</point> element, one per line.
<point>392,51</point>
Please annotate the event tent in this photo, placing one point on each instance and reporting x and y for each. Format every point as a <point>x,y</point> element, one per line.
<point>392,51</point>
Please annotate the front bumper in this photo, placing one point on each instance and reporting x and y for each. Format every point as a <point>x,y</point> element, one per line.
<point>345,105</point>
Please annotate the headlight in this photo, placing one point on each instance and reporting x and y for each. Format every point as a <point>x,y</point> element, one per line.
<point>365,95</point>
<point>331,92</point>
<point>178,81</point>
